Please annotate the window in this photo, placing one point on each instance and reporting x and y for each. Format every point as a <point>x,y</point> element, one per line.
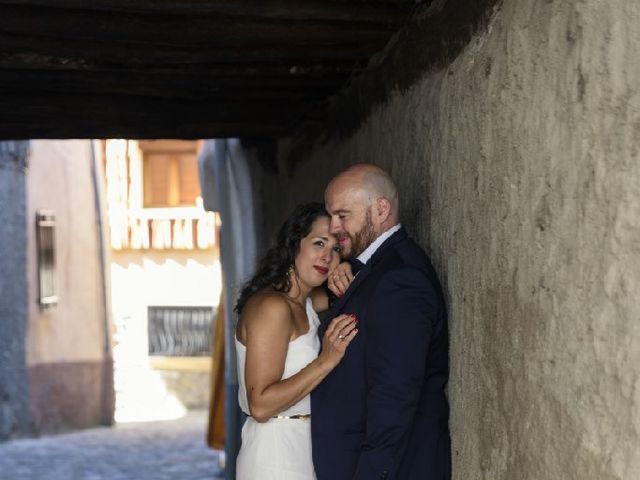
<point>180,331</point>
<point>45,237</point>
<point>170,173</point>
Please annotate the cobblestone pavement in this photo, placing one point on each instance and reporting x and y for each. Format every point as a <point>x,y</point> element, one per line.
<point>173,450</point>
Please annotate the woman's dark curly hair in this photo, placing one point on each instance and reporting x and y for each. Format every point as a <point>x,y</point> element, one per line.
<point>273,271</point>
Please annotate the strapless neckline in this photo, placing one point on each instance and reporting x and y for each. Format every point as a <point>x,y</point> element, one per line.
<point>312,320</point>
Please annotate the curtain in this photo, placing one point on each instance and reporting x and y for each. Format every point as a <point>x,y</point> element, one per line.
<point>215,431</point>
<point>226,188</point>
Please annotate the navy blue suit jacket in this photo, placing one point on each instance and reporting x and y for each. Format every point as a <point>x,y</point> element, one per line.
<point>382,412</point>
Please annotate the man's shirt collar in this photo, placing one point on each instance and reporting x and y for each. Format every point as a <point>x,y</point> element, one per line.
<point>371,249</point>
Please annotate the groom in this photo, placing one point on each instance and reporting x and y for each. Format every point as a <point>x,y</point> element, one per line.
<point>382,413</point>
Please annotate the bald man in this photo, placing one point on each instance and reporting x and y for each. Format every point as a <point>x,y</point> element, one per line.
<point>383,413</point>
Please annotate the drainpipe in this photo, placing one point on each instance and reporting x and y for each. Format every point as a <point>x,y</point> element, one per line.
<point>107,376</point>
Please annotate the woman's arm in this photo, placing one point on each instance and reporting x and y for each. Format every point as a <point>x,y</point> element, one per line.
<point>268,326</point>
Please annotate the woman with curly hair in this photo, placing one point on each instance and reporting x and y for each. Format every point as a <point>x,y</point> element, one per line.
<point>277,347</point>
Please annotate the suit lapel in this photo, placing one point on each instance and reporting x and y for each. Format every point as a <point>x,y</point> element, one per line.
<point>337,306</point>
<point>401,234</point>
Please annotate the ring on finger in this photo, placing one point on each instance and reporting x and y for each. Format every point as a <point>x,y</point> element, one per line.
<point>341,337</point>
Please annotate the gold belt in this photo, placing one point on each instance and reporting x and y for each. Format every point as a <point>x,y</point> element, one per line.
<point>293,417</point>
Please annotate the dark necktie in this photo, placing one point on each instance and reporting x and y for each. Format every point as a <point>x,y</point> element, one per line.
<point>356,265</point>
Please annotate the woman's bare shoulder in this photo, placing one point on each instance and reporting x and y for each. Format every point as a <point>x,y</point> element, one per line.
<point>267,307</point>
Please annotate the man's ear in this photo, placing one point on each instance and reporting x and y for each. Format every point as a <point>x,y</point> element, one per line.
<point>382,209</point>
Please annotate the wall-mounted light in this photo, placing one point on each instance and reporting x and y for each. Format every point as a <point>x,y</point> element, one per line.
<point>45,234</point>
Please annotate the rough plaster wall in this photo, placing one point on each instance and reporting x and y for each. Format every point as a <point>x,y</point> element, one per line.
<point>70,370</point>
<point>14,395</point>
<point>73,330</point>
<point>518,168</point>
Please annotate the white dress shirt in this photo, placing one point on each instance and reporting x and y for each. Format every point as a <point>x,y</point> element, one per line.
<point>371,249</point>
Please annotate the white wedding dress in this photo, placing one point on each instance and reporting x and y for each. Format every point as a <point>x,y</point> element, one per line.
<point>279,449</point>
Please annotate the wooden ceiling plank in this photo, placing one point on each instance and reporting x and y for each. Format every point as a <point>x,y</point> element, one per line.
<point>69,105</point>
<point>300,69</point>
<point>139,54</point>
<point>314,10</point>
<point>57,130</point>
<point>18,79</point>
<point>187,31</point>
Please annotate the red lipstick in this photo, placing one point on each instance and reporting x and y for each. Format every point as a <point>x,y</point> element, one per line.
<point>321,270</point>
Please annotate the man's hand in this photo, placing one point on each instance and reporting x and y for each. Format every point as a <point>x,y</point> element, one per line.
<point>340,278</point>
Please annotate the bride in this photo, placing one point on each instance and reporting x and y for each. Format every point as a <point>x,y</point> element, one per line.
<point>277,347</point>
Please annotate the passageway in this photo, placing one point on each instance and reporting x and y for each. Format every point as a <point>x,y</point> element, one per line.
<point>135,451</point>
<point>512,130</point>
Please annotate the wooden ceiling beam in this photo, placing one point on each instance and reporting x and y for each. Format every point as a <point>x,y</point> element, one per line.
<point>155,85</point>
<point>141,55</point>
<point>182,31</point>
<point>70,104</point>
<point>383,12</point>
<point>305,69</point>
<point>49,129</point>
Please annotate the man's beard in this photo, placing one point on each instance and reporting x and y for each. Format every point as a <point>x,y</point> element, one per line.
<point>363,238</point>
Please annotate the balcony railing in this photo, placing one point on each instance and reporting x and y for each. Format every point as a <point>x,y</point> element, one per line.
<point>178,228</point>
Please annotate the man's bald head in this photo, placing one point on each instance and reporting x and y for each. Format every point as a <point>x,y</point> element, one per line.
<point>371,182</point>
<point>363,203</point>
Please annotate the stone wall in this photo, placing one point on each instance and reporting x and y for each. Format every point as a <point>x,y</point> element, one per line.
<point>191,388</point>
<point>15,418</point>
<point>519,173</point>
